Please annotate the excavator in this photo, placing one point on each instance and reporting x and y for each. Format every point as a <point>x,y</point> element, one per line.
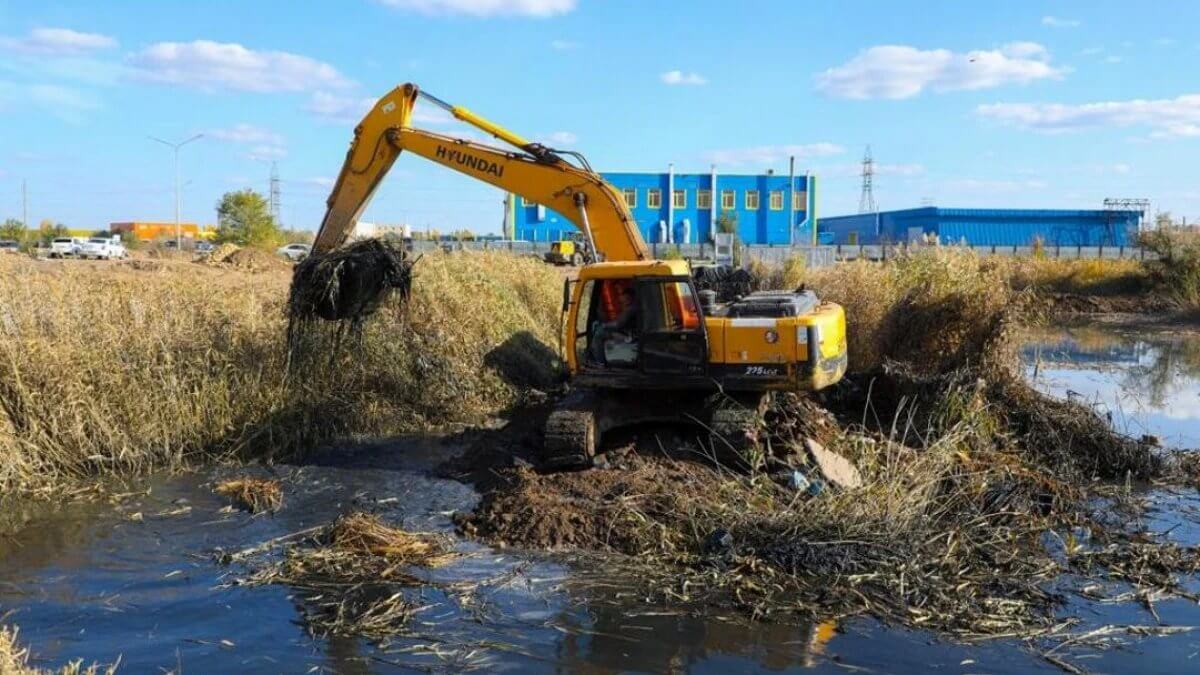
<point>640,343</point>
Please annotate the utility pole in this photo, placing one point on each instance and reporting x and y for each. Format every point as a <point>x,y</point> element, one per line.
<point>275,193</point>
<point>24,206</point>
<point>866,201</point>
<point>175,148</point>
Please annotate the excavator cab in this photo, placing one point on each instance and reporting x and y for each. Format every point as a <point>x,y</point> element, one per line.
<point>637,328</point>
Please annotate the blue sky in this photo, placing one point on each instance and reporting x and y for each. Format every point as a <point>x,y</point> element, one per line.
<point>1056,104</point>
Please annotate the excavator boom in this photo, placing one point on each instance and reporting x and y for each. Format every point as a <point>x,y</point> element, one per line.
<point>536,173</point>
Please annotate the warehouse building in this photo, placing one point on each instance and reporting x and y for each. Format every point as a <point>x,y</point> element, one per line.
<point>986,227</point>
<point>689,208</point>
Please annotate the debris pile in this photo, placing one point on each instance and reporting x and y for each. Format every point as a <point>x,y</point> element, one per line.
<point>349,283</point>
<point>256,495</point>
<point>353,575</point>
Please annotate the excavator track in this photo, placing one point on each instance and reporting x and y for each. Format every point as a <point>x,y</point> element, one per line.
<point>734,427</point>
<point>570,438</point>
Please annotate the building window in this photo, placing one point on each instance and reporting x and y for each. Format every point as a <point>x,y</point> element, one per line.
<point>776,200</point>
<point>679,199</point>
<point>704,199</point>
<point>799,201</point>
<point>630,195</point>
<point>752,200</point>
<point>728,200</point>
<point>654,198</point>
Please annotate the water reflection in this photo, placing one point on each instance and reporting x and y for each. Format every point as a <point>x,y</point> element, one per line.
<point>1147,381</point>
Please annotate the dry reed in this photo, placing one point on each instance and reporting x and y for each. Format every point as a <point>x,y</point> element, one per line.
<point>256,495</point>
<point>354,575</point>
<point>108,369</point>
<point>14,659</point>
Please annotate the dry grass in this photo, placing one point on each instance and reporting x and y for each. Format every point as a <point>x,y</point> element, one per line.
<point>365,534</point>
<point>108,369</point>
<point>1083,277</point>
<point>936,308</point>
<point>14,659</point>
<point>256,495</point>
<point>355,574</point>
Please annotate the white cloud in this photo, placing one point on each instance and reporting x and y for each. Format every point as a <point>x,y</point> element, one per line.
<point>351,109</point>
<point>1058,22</point>
<point>266,153</point>
<point>57,42</point>
<point>563,45</point>
<point>1091,51</point>
<point>212,66</point>
<point>1112,58</point>
<point>265,144</point>
<point>767,154</point>
<point>557,138</point>
<point>900,71</point>
<point>246,133</point>
<point>1164,42</point>
<point>1166,118</point>
<point>483,8</point>
<point>337,108</point>
<point>62,102</point>
<point>675,77</point>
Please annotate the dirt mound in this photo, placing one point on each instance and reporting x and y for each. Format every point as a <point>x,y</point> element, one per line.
<point>1067,304</point>
<point>596,510</point>
<point>249,259</point>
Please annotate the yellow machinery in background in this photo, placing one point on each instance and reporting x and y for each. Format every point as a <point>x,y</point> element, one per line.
<point>631,324</point>
<point>566,252</point>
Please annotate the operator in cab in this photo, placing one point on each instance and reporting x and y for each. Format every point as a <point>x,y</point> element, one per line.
<point>615,342</point>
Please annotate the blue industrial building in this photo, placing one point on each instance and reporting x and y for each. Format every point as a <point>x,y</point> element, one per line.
<point>986,227</point>
<point>689,208</point>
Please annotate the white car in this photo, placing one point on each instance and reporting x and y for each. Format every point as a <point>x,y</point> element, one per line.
<point>99,248</point>
<point>294,252</point>
<point>63,247</point>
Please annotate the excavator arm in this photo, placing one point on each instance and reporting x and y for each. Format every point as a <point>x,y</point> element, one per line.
<point>535,172</point>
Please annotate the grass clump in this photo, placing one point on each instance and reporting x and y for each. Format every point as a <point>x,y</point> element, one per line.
<point>935,308</point>
<point>354,575</point>
<point>14,659</point>
<point>1093,276</point>
<point>1177,269</point>
<point>109,369</point>
<point>256,495</point>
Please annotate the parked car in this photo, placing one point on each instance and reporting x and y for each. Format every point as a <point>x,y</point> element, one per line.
<point>63,247</point>
<point>99,248</point>
<point>294,252</point>
<point>205,247</point>
<point>9,246</point>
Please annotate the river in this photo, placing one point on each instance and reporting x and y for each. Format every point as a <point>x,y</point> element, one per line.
<point>139,579</point>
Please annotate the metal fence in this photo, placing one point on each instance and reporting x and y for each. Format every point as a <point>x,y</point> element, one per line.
<point>814,256</point>
<point>886,251</point>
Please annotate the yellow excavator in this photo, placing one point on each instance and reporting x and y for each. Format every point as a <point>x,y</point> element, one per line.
<point>640,342</point>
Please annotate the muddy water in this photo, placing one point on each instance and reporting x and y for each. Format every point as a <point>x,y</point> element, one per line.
<point>140,578</point>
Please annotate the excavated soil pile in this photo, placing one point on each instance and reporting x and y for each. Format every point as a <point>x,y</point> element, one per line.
<point>245,259</point>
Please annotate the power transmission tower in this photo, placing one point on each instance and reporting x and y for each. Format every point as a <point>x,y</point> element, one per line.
<point>275,192</point>
<point>866,203</point>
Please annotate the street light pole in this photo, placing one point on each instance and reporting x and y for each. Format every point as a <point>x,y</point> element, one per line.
<point>175,148</point>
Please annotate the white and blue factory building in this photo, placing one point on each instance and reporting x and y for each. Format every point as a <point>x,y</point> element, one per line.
<point>779,210</point>
<point>690,208</point>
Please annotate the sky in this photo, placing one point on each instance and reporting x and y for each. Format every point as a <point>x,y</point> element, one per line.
<point>1038,105</point>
